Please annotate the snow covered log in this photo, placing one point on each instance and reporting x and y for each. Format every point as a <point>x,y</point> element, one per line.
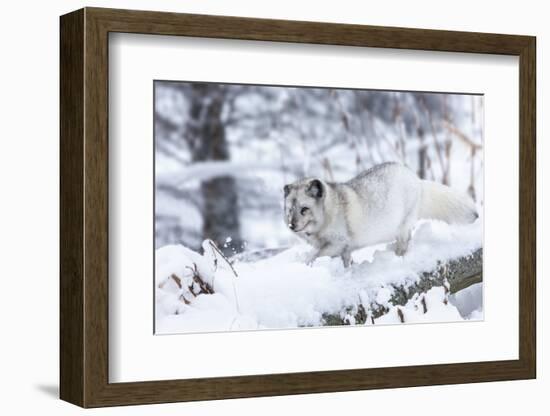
<point>277,288</point>
<point>453,275</point>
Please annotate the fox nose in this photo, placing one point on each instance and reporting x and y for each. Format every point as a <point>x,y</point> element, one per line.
<point>291,225</point>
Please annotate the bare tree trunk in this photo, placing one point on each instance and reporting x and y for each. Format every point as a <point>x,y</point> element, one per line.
<point>207,138</point>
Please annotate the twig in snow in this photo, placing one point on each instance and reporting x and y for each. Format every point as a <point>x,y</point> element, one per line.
<point>400,315</point>
<point>204,286</point>
<point>361,313</point>
<point>424,306</point>
<point>217,250</point>
<point>177,280</point>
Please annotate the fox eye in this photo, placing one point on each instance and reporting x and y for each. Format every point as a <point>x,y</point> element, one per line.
<point>304,210</point>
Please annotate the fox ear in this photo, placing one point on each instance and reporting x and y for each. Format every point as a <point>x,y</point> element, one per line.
<point>315,189</point>
<point>286,189</point>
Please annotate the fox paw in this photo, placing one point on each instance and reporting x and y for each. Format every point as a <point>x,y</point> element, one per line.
<point>399,249</point>
<point>400,252</point>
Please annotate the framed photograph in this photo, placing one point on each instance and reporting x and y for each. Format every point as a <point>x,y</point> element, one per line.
<point>256,207</point>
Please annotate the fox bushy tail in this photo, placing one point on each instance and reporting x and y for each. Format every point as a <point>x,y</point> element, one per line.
<point>441,202</point>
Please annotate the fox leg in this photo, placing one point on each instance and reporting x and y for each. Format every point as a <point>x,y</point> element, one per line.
<point>346,257</point>
<point>402,243</point>
<point>405,232</point>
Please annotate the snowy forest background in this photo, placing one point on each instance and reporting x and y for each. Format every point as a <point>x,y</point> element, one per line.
<point>224,152</point>
<point>226,261</point>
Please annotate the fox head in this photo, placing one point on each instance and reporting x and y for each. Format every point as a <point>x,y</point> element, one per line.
<point>304,205</point>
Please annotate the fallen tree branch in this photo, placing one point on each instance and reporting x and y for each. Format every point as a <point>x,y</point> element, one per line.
<point>454,275</point>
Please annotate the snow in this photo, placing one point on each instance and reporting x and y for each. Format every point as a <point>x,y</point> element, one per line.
<point>438,309</point>
<point>282,291</point>
<point>468,301</point>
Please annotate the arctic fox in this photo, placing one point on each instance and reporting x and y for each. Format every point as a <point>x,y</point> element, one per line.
<point>379,205</point>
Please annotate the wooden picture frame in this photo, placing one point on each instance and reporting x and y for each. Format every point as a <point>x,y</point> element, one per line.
<point>84,207</point>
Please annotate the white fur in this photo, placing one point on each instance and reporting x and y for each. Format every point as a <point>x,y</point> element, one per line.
<point>444,203</point>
